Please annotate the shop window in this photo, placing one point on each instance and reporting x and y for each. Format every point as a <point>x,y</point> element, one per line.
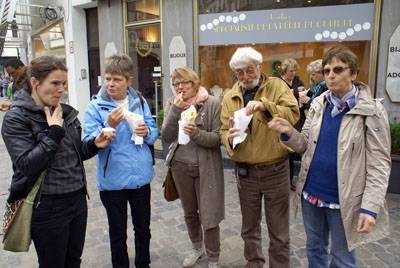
<point>218,78</point>
<point>141,10</point>
<point>144,49</point>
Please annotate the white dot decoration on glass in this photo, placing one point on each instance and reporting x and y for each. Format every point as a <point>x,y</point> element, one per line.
<point>357,27</point>
<point>366,25</point>
<point>318,36</point>
<point>221,18</point>
<point>228,18</point>
<point>342,36</point>
<point>215,22</point>
<point>242,16</point>
<point>350,31</point>
<point>334,35</point>
<point>235,19</point>
<point>326,34</point>
<point>209,26</point>
<point>203,27</point>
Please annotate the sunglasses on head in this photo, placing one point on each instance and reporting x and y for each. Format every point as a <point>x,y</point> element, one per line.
<point>336,70</point>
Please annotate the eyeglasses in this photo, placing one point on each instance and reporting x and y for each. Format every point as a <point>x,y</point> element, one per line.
<point>336,70</point>
<point>249,71</point>
<point>183,82</point>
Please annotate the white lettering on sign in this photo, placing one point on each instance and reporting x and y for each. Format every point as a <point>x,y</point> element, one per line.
<point>393,68</point>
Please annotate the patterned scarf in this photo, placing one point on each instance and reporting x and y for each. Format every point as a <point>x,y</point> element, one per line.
<point>201,96</point>
<point>339,104</point>
<point>317,88</point>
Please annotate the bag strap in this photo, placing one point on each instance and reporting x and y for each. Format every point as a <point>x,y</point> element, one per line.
<point>32,194</point>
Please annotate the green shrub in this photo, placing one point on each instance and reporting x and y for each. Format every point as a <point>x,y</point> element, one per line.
<point>395,135</point>
<point>159,119</point>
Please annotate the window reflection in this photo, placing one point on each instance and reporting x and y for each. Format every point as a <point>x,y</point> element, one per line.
<point>218,78</point>
<point>138,10</point>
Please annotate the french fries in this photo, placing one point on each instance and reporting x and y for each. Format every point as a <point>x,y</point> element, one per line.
<point>274,117</point>
<point>190,116</point>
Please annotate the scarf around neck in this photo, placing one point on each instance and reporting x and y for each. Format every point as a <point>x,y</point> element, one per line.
<point>339,104</point>
<point>201,96</point>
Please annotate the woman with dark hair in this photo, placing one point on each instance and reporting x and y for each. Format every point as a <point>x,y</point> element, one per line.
<point>42,134</point>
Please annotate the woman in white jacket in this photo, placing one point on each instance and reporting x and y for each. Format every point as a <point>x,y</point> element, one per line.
<point>345,166</point>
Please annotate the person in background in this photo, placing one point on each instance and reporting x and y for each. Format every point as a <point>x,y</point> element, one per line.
<point>42,134</point>
<point>1,87</point>
<point>318,85</point>
<point>346,163</point>
<point>124,169</point>
<point>262,168</point>
<point>13,68</point>
<point>197,166</point>
<point>5,86</point>
<point>289,69</point>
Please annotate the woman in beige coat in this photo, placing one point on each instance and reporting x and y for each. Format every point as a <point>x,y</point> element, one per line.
<point>345,167</point>
<point>197,166</point>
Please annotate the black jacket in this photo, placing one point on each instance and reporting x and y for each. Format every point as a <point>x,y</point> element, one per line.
<point>33,148</point>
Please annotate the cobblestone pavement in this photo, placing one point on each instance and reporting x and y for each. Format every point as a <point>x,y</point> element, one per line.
<point>170,242</point>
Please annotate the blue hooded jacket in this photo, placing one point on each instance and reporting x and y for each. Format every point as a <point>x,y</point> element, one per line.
<point>122,164</point>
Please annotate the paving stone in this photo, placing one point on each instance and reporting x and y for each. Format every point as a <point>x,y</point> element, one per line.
<point>385,257</point>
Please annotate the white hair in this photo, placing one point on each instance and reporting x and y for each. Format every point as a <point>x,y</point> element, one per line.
<point>314,66</point>
<point>242,56</point>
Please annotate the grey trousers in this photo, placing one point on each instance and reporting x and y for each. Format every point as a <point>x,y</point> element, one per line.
<point>187,182</point>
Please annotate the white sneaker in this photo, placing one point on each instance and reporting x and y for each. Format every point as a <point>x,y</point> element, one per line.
<point>213,264</point>
<point>193,256</point>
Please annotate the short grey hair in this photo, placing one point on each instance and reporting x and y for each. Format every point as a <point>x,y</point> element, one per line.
<point>315,66</point>
<point>241,57</point>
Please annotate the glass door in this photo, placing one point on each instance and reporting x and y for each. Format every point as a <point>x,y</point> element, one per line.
<point>145,50</point>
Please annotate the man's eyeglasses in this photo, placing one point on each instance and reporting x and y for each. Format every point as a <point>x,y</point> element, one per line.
<point>336,70</point>
<point>248,71</point>
<point>184,83</point>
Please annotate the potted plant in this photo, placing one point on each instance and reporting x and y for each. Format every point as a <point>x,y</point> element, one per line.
<point>394,180</point>
<point>159,121</point>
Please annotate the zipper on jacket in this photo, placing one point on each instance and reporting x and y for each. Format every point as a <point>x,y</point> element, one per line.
<point>79,158</point>
<point>105,166</point>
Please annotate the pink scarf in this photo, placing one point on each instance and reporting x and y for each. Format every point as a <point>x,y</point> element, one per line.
<point>201,96</point>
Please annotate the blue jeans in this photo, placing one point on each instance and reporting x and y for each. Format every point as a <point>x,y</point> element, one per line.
<point>318,223</point>
<point>116,203</point>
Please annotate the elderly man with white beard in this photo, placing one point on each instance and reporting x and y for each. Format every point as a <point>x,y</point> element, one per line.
<point>262,166</point>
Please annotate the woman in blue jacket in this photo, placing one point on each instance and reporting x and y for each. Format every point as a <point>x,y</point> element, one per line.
<point>124,169</point>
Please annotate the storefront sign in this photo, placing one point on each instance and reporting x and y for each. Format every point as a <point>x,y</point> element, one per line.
<point>393,69</point>
<point>177,55</point>
<point>315,24</point>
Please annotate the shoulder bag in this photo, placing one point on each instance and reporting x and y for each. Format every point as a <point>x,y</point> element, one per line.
<point>17,221</point>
